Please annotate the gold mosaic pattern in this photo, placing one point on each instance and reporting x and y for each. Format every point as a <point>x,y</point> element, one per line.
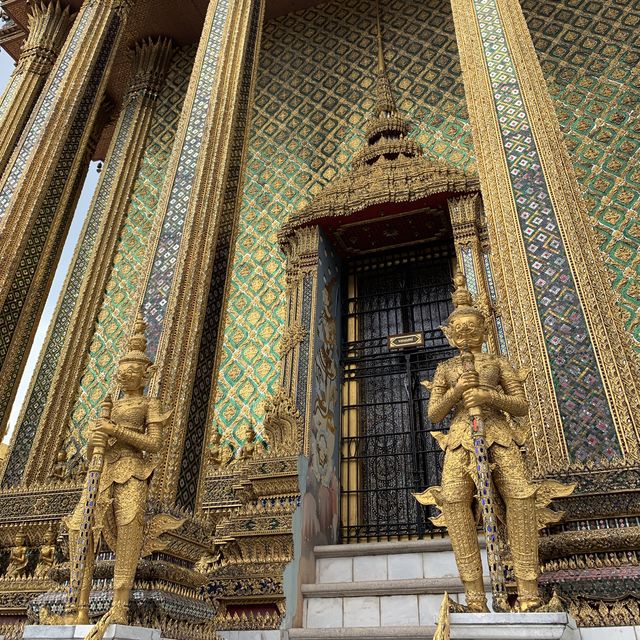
<point>118,308</point>
<point>315,88</point>
<point>590,58</point>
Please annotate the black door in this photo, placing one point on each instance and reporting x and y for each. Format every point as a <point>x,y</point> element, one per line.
<point>387,452</point>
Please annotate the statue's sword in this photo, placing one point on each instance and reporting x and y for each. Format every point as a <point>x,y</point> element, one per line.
<point>486,495</point>
<point>77,596</point>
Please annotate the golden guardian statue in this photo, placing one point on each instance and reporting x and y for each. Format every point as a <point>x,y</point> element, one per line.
<point>121,449</point>
<point>484,466</point>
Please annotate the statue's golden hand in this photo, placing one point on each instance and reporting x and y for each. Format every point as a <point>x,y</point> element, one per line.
<point>98,439</point>
<point>476,398</point>
<point>107,427</point>
<point>468,380</point>
<point>101,432</point>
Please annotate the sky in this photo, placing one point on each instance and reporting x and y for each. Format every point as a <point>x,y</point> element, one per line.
<point>6,67</point>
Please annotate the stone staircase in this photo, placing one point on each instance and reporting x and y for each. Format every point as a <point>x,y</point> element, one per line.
<point>393,591</point>
<point>378,591</point>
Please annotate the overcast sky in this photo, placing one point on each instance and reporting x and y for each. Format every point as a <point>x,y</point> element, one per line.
<point>6,67</point>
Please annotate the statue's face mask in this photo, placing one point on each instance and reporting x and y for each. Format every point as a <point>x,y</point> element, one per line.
<point>467,331</point>
<point>131,375</point>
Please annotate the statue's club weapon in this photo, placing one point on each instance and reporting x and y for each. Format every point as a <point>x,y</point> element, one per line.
<point>79,597</point>
<point>486,496</point>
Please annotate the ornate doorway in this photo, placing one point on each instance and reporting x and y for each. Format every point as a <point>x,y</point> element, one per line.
<point>387,452</point>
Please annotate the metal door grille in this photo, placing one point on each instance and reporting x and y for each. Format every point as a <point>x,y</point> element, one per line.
<point>387,452</point>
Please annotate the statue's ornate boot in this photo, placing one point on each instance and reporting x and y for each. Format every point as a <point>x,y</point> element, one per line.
<point>528,596</point>
<point>82,617</point>
<point>475,596</point>
<point>117,614</point>
<point>71,615</point>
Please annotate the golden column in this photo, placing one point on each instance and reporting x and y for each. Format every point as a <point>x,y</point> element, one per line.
<point>40,186</point>
<point>201,191</point>
<point>559,313</point>
<point>61,365</point>
<point>49,24</point>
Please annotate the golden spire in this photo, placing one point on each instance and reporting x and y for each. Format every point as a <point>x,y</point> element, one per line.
<point>386,130</point>
<point>385,104</point>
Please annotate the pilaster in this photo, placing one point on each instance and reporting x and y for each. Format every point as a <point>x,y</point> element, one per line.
<point>198,203</point>
<point>39,185</point>
<point>54,387</point>
<point>49,23</point>
<point>584,389</point>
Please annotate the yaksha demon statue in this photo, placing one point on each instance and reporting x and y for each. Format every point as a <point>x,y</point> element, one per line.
<point>484,464</point>
<point>113,504</point>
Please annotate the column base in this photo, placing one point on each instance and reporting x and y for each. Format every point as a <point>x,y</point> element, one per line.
<point>513,626</point>
<point>79,631</point>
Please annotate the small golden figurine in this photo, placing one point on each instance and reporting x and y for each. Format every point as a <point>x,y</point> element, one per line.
<point>215,450</point>
<point>60,470</point>
<point>80,470</point>
<point>249,447</point>
<point>484,389</point>
<point>120,449</point>
<point>18,559</point>
<point>47,554</point>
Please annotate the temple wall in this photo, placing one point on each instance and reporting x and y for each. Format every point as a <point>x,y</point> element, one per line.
<point>315,88</point>
<point>590,58</point>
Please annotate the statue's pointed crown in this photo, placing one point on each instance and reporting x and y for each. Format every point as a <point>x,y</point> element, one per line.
<point>461,297</point>
<point>137,343</point>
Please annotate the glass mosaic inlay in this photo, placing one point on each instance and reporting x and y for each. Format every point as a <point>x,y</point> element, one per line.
<point>195,439</point>
<point>315,89</point>
<point>166,256</point>
<point>31,280</point>
<point>469,270</point>
<point>502,340</point>
<point>489,272</point>
<point>590,58</point>
<point>586,416</point>
<point>7,96</point>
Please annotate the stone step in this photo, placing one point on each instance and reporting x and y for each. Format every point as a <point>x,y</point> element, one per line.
<point>410,610</point>
<point>513,626</point>
<point>491,626</point>
<point>383,548</point>
<point>368,633</point>
<point>384,587</point>
<point>418,560</point>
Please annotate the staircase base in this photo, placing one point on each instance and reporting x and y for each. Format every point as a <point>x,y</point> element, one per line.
<point>513,626</point>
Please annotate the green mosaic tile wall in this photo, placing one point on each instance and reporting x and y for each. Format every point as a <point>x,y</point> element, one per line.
<point>590,55</point>
<point>121,293</point>
<point>314,91</point>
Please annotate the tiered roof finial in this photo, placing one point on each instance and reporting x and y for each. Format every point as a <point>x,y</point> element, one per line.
<point>385,104</point>
<point>386,130</point>
<point>389,168</point>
